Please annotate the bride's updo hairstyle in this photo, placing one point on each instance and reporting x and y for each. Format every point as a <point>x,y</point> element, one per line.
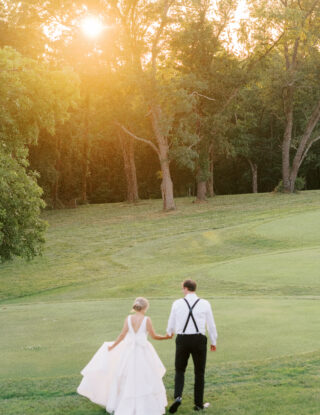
<point>140,304</point>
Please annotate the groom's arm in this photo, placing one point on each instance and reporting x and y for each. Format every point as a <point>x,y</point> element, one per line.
<point>171,322</point>
<point>211,326</point>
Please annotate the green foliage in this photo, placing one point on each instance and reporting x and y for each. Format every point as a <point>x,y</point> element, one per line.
<point>300,184</point>
<point>36,98</point>
<point>243,119</point>
<point>21,229</point>
<point>21,26</point>
<point>279,188</point>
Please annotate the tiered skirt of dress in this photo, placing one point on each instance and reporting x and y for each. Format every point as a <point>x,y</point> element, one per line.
<point>128,379</point>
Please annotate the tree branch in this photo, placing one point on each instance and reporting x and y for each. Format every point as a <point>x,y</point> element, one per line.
<point>150,143</point>
<point>295,53</point>
<point>231,97</point>
<point>311,9</point>
<point>250,67</point>
<point>12,70</point>
<point>253,64</point>
<point>201,95</point>
<point>313,120</point>
<point>308,148</point>
<point>163,22</point>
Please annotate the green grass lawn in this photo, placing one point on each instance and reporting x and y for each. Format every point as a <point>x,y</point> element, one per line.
<point>255,257</point>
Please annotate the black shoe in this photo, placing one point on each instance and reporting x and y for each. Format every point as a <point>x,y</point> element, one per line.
<point>174,407</point>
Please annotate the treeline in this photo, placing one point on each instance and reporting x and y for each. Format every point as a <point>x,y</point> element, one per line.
<point>163,103</point>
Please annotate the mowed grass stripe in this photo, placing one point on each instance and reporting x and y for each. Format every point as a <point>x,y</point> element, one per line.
<point>254,256</point>
<point>105,248</point>
<point>43,338</point>
<point>272,387</point>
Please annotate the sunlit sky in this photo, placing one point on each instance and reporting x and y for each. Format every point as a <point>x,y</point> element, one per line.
<point>242,13</point>
<point>92,27</point>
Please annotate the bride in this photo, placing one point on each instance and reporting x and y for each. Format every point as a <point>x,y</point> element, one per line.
<point>125,376</point>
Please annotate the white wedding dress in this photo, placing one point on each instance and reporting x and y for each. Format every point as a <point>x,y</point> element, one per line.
<point>128,379</point>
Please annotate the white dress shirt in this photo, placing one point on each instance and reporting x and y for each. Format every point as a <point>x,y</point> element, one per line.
<point>202,313</point>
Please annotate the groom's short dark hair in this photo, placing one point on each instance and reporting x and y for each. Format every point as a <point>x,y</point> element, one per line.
<point>190,284</point>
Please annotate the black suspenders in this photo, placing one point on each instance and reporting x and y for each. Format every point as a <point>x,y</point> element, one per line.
<point>191,315</point>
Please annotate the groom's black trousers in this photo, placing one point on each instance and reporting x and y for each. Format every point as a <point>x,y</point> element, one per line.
<point>196,345</point>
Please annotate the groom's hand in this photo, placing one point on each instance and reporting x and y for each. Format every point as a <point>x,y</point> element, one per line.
<point>213,348</point>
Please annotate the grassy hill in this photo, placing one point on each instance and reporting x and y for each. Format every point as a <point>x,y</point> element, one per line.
<point>255,257</point>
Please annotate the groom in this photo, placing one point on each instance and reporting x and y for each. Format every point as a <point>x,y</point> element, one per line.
<point>189,318</point>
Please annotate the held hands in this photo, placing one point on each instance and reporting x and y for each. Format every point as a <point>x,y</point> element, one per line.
<point>213,348</point>
<point>168,336</point>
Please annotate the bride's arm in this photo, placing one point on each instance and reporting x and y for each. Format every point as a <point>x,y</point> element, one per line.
<point>121,336</point>
<point>153,334</point>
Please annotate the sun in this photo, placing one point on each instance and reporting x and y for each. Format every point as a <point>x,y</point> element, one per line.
<point>91,26</point>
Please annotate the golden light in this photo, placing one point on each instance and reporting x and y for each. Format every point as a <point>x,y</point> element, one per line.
<point>231,35</point>
<point>91,26</point>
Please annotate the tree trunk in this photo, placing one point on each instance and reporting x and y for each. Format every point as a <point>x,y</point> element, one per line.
<point>255,179</point>
<point>85,170</point>
<point>127,146</point>
<point>163,153</point>
<point>203,171</point>
<point>293,177</point>
<point>290,173</point>
<point>210,182</point>
<point>210,187</point>
<point>166,184</point>
<point>85,152</point>
<point>254,171</point>
<point>56,202</point>
<point>304,146</point>
<point>201,191</point>
<point>286,144</point>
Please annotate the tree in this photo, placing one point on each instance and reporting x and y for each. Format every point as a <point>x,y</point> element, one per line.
<point>293,74</point>
<point>248,134</point>
<point>144,32</point>
<point>35,98</point>
<point>21,229</point>
<point>115,93</point>
<point>127,146</point>
<point>18,27</point>
<point>197,49</point>
<point>58,160</point>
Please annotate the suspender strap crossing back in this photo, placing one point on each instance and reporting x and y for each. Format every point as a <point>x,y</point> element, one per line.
<point>191,315</point>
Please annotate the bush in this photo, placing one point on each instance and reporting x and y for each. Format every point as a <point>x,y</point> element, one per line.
<point>21,229</point>
<point>299,185</point>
